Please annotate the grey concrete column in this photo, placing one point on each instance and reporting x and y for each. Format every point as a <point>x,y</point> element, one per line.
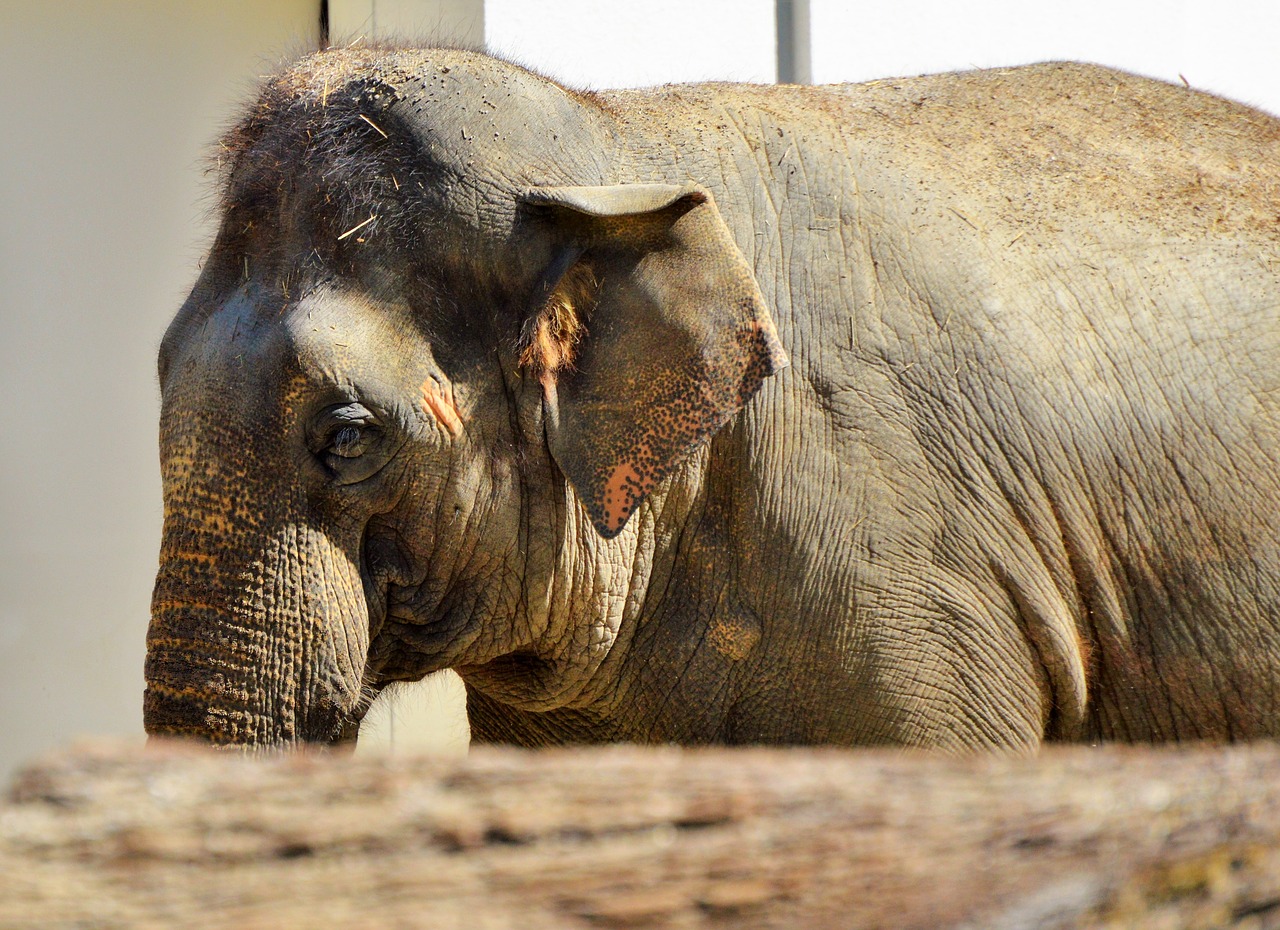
<point>793,42</point>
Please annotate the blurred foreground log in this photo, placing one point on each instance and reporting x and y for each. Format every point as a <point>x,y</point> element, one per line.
<point>623,837</point>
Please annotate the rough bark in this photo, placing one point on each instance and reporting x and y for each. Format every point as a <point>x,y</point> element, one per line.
<point>621,837</point>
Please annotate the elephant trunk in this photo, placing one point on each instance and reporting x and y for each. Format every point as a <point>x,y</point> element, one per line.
<point>257,637</point>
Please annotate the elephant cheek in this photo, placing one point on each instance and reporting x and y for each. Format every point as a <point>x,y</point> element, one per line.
<point>265,649</point>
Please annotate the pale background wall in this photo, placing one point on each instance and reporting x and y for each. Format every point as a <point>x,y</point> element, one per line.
<point>107,116</point>
<point>587,43</point>
<point>442,21</point>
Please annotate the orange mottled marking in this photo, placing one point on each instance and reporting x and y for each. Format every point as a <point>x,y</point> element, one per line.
<point>177,604</point>
<point>438,403</point>
<point>622,492</point>
<point>734,637</point>
<point>189,556</point>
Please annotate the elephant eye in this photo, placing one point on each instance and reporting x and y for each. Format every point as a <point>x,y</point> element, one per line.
<point>348,442</point>
<point>342,433</point>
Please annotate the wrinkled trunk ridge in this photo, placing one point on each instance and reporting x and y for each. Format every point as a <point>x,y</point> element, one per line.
<point>263,647</point>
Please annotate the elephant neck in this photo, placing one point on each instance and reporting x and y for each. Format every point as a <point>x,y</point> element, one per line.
<point>587,595</point>
<point>647,635</point>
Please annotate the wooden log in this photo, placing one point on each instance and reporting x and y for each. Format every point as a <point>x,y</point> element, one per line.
<point>630,837</point>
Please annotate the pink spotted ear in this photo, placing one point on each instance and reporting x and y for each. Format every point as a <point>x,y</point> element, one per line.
<point>677,340</point>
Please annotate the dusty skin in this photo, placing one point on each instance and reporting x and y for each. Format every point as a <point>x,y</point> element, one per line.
<point>940,412</point>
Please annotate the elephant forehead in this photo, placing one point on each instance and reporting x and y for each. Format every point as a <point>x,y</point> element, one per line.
<point>252,347</point>
<point>256,355</point>
<point>242,334</point>
<point>344,335</point>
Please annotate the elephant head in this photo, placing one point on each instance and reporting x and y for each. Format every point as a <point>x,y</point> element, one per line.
<point>441,352</point>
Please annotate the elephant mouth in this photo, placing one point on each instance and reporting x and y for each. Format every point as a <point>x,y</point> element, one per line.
<point>521,679</point>
<point>415,634</point>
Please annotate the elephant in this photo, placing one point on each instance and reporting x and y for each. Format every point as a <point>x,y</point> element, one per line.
<point>939,412</point>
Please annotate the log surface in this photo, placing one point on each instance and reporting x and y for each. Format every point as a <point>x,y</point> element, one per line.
<point>629,837</point>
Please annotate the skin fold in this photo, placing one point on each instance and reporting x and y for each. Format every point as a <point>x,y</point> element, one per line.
<point>937,412</point>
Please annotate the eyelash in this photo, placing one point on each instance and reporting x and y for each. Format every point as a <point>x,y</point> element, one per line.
<point>346,442</point>
<point>349,442</point>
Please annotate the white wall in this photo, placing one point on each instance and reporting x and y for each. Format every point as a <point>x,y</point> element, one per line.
<point>594,44</point>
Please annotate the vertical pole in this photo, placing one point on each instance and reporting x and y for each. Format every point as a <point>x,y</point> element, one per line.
<point>793,42</point>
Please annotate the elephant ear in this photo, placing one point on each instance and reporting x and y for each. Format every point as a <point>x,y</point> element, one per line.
<point>651,334</point>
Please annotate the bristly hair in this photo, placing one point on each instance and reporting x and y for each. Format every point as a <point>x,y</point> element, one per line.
<point>550,339</point>
<point>331,74</point>
<point>321,143</point>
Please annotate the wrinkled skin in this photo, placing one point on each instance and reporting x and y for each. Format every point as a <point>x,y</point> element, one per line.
<point>486,375</point>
